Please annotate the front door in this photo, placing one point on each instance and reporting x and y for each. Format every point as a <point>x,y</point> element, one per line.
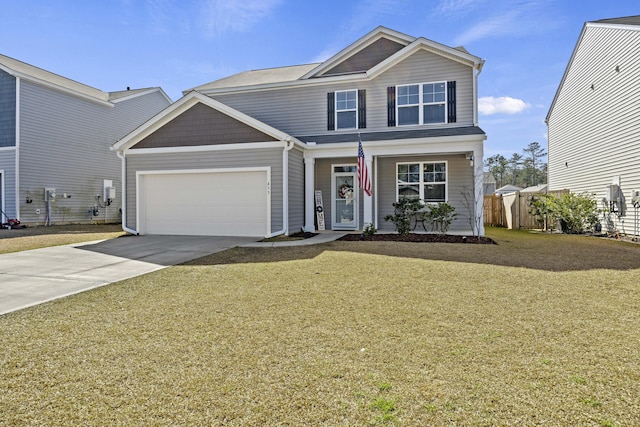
<point>344,196</point>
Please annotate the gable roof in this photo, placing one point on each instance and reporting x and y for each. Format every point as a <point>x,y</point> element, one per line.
<point>362,43</point>
<point>37,75</point>
<point>266,76</point>
<point>366,58</point>
<point>627,20</point>
<point>124,95</point>
<point>54,81</point>
<point>631,23</point>
<point>186,103</point>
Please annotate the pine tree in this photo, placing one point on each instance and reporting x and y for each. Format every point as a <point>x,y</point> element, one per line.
<point>534,153</point>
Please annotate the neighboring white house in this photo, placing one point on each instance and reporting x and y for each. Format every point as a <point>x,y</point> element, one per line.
<point>506,189</point>
<point>594,120</point>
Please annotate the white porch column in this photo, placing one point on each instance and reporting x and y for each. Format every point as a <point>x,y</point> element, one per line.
<point>479,189</point>
<point>367,201</point>
<point>309,194</point>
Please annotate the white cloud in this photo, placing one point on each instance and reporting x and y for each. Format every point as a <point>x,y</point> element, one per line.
<point>516,18</point>
<point>488,105</point>
<point>221,16</point>
<point>498,25</point>
<point>448,7</point>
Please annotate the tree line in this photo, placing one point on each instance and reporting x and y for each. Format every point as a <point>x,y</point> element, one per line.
<point>524,170</point>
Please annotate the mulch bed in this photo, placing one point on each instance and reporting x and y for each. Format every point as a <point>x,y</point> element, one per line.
<point>420,238</point>
<point>411,237</point>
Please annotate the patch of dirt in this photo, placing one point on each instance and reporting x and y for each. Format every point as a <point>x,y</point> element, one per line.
<point>419,238</point>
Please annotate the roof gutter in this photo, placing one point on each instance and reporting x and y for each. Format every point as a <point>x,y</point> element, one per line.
<point>122,157</point>
<point>475,91</point>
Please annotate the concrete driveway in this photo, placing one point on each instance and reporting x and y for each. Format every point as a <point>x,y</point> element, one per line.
<point>33,277</point>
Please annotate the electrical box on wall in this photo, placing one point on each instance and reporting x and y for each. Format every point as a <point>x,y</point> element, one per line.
<point>49,194</point>
<point>635,197</point>
<point>109,193</point>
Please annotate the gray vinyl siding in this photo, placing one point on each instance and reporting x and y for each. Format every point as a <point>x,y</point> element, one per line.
<point>270,157</point>
<point>593,133</point>
<point>7,110</point>
<point>303,110</point>
<point>296,190</point>
<point>65,144</point>
<point>8,170</point>
<point>459,177</point>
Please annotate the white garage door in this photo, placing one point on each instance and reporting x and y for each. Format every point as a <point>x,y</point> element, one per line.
<point>205,203</point>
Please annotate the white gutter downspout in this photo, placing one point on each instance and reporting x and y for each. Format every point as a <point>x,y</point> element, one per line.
<point>285,189</point>
<point>124,195</point>
<point>17,156</point>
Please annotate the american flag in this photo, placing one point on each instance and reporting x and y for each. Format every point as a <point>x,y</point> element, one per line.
<point>363,172</point>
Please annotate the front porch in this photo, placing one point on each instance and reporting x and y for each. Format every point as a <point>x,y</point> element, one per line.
<point>457,178</point>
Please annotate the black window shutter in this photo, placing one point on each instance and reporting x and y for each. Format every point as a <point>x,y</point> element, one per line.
<point>331,111</point>
<point>451,102</point>
<point>391,106</point>
<point>362,109</point>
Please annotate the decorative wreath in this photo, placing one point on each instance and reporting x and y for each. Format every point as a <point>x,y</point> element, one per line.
<point>345,191</point>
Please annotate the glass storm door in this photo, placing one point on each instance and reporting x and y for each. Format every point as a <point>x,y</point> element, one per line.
<point>344,195</point>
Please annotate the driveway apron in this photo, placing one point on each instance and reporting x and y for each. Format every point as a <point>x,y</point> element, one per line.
<point>32,277</point>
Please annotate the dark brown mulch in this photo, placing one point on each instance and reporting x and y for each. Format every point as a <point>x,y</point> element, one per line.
<point>424,238</point>
<point>303,235</point>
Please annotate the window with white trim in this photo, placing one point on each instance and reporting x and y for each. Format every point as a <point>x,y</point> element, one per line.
<point>346,109</point>
<point>423,103</point>
<point>425,181</point>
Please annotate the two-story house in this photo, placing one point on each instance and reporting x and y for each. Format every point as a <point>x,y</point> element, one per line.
<point>594,121</point>
<point>254,153</point>
<point>55,140</point>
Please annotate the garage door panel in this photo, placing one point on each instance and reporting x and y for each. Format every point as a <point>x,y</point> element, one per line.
<point>215,203</point>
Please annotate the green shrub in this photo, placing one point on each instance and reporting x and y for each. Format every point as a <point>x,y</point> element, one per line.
<point>441,215</point>
<point>575,212</point>
<point>369,230</point>
<point>404,211</point>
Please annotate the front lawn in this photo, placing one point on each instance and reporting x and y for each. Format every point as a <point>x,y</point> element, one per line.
<point>24,239</point>
<point>537,330</point>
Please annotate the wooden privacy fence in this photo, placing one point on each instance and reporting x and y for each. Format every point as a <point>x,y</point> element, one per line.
<point>512,210</point>
<point>494,210</point>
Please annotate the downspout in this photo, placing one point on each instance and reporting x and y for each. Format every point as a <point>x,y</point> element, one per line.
<point>17,152</point>
<point>285,189</point>
<point>124,195</point>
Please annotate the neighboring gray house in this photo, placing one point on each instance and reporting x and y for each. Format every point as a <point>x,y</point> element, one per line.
<point>253,154</point>
<point>55,139</point>
<point>489,183</point>
<point>594,121</point>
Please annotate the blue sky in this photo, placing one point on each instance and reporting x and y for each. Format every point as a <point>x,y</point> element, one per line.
<point>179,44</point>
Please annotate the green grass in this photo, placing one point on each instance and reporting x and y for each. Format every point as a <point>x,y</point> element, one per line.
<point>23,239</point>
<point>537,330</point>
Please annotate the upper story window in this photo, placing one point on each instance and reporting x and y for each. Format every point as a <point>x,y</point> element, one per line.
<point>422,104</point>
<point>346,109</point>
